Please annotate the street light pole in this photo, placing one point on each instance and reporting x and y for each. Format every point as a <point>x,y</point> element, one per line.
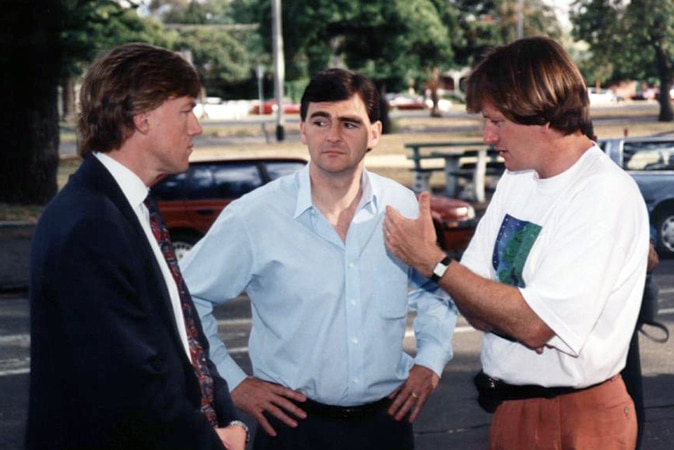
<point>520,19</point>
<point>260,94</point>
<point>279,66</point>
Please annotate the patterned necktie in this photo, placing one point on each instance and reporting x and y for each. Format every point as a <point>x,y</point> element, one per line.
<point>196,350</point>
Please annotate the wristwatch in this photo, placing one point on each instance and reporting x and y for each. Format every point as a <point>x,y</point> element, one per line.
<point>440,268</point>
<point>242,425</point>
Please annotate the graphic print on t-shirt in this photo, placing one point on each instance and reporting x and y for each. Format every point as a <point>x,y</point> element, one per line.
<point>511,250</point>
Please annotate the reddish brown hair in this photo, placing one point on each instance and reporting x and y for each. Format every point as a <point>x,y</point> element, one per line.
<point>130,79</point>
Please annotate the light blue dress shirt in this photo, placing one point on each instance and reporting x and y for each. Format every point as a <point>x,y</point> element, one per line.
<point>329,316</point>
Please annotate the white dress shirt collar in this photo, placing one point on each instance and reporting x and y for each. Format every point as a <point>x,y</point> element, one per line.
<point>131,185</point>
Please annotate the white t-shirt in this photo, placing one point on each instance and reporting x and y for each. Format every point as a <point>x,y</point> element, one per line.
<point>576,246</point>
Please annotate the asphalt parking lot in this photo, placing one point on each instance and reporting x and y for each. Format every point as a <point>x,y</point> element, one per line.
<point>450,420</point>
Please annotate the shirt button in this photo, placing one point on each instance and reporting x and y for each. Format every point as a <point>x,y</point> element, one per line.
<point>354,302</point>
<point>355,381</point>
<point>352,265</point>
<point>354,340</point>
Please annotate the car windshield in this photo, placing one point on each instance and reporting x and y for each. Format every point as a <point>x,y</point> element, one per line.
<point>644,155</point>
<point>281,168</point>
<point>224,181</point>
<point>170,188</point>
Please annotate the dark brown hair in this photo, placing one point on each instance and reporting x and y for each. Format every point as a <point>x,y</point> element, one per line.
<point>333,85</point>
<point>130,79</point>
<point>531,81</point>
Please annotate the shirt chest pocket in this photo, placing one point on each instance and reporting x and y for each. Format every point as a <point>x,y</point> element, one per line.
<point>390,290</point>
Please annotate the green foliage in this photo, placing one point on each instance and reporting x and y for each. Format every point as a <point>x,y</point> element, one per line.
<point>391,41</point>
<point>243,11</point>
<point>598,22</point>
<point>403,42</point>
<point>198,12</point>
<point>649,24</point>
<point>485,24</point>
<point>218,57</point>
<point>91,26</point>
<point>624,37</point>
<point>88,27</point>
<point>633,39</point>
<point>224,51</point>
<point>395,42</point>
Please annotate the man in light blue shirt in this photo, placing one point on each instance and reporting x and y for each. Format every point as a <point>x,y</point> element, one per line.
<point>329,302</point>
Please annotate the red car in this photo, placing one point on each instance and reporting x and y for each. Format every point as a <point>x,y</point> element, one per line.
<point>270,107</point>
<point>191,201</point>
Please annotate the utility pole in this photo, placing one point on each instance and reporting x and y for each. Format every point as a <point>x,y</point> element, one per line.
<point>260,91</point>
<point>279,66</point>
<point>520,19</point>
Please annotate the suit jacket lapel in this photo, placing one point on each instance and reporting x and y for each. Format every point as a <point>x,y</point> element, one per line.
<point>94,174</point>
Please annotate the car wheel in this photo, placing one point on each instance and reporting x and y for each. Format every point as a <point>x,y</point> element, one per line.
<point>183,242</point>
<point>665,227</point>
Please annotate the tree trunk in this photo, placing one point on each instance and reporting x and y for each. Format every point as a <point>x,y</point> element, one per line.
<point>67,113</point>
<point>665,74</point>
<point>29,119</point>
<point>384,116</point>
<point>433,85</point>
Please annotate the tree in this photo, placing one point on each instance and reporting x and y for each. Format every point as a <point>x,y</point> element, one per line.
<point>223,52</point>
<point>219,59</point>
<point>44,42</point>
<point>485,24</point>
<point>618,33</point>
<point>29,61</point>
<point>88,27</point>
<point>396,43</point>
<point>651,25</point>
<point>598,24</point>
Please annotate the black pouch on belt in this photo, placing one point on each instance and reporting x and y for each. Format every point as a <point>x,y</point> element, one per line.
<point>488,396</point>
<point>492,392</point>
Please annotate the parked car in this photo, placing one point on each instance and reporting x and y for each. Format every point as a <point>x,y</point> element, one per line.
<point>650,161</point>
<point>191,201</point>
<point>603,96</point>
<point>646,94</point>
<point>406,102</point>
<point>270,107</point>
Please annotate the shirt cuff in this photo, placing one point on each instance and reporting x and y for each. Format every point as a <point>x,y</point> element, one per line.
<point>433,357</point>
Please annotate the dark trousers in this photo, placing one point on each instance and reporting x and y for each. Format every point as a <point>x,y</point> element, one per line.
<point>379,432</point>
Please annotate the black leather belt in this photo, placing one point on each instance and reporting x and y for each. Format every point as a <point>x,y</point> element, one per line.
<point>491,392</point>
<point>344,412</point>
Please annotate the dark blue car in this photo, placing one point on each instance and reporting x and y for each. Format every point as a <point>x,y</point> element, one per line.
<point>650,161</point>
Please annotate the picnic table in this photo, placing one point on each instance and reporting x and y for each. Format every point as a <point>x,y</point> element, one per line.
<point>469,160</point>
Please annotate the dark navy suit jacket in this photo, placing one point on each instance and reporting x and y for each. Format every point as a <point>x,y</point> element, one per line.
<point>108,369</point>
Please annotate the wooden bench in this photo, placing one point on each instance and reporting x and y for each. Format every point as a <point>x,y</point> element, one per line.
<point>462,160</point>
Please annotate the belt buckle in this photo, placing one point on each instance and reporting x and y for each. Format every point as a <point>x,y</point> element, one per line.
<point>348,413</point>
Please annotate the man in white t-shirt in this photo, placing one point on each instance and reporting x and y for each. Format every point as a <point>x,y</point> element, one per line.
<point>555,272</point>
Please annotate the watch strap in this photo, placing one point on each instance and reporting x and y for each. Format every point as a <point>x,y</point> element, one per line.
<point>440,268</point>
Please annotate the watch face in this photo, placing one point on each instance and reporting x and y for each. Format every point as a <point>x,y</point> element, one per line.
<point>440,268</point>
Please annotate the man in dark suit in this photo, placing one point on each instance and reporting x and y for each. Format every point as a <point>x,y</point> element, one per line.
<point>117,355</point>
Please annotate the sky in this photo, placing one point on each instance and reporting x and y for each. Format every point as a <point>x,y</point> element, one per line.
<point>561,7</point>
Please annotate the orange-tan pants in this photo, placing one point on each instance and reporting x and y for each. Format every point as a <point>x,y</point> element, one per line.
<point>599,418</point>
